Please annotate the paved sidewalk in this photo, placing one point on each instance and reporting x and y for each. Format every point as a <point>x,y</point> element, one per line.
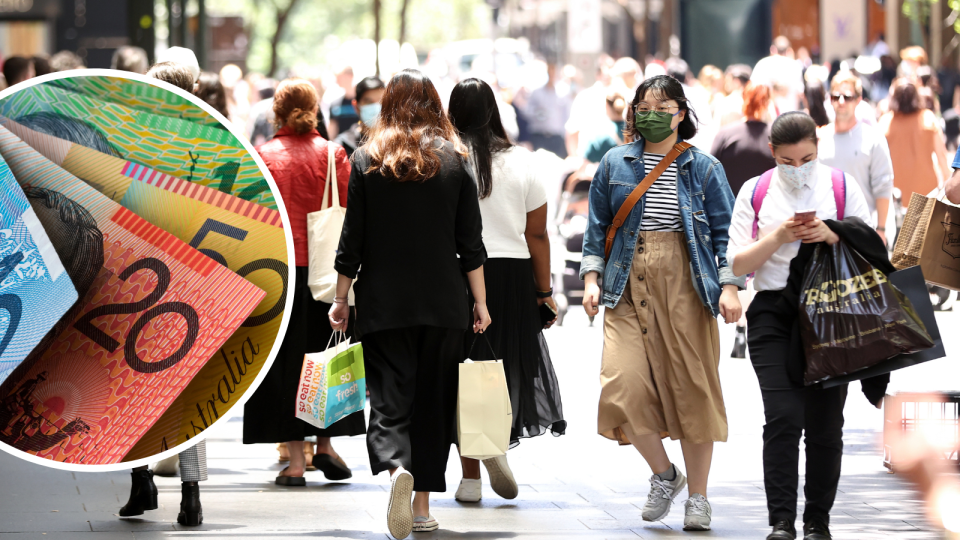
<point>576,486</point>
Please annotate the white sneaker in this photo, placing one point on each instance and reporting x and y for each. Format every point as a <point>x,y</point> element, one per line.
<point>697,513</point>
<point>400,509</point>
<point>470,490</point>
<point>425,524</point>
<point>501,477</point>
<point>661,495</point>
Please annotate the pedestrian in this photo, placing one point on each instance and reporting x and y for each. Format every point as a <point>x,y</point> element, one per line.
<point>513,205</point>
<point>730,108</point>
<point>858,149</point>
<point>743,147</point>
<point>66,61</point>
<point>211,91</point>
<point>606,132</point>
<point>366,103</point>
<point>17,69</point>
<point>411,199</point>
<point>766,243</point>
<point>172,73</point>
<point>782,73</point>
<point>667,272</point>
<point>130,58</point>
<point>297,158</point>
<point>815,96</point>
<point>337,103</point>
<point>547,111</point>
<point>913,136</point>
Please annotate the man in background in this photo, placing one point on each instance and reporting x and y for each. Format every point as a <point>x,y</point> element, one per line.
<point>547,112</point>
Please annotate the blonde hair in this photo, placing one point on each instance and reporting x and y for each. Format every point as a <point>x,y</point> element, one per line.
<point>846,77</point>
<point>295,105</point>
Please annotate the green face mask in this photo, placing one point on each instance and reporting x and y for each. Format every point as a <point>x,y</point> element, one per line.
<point>654,126</point>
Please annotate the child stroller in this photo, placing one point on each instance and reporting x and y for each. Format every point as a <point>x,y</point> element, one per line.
<point>572,214</point>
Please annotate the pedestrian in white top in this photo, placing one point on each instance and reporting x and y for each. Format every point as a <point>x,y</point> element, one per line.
<point>513,207</point>
<point>766,243</point>
<point>858,149</point>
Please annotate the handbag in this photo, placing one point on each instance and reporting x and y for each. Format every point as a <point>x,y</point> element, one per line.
<point>638,192</point>
<point>323,238</point>
<point>332,383</point>
<point>484,414</point>
<point>930,238</point>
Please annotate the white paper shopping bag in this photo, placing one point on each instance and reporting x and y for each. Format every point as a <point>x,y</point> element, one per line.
<point>484,415</point>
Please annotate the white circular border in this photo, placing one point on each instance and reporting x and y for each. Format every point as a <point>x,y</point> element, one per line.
<point>291,265</point>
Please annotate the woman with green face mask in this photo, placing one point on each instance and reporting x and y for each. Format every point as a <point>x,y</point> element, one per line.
<point>662,257</point>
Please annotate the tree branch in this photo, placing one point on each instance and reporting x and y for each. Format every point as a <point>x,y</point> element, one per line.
<point>282,15</point>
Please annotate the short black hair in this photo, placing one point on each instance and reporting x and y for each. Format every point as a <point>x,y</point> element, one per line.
<point>367,84</point>
<point>663,87</point>
<point>15,68</point>
<point>793,127</point>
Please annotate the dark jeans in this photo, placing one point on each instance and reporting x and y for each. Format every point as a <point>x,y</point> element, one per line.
<point>554,143</point>
<point>791,411</point>
<point>412,374</point>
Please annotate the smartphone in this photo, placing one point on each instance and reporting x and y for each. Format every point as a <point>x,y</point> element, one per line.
<point>547,313</point>
<point>805,216</point>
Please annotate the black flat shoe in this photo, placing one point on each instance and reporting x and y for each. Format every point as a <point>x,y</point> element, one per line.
<point>816,530</point>
<point>783,530</point>
<point>143,494</point>
<point>293,481</point>
<point>333,468</point>
<point>191,513</point>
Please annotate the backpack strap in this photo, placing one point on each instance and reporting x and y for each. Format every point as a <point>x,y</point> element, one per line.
<point>759,192</point>
<point>839,191</point>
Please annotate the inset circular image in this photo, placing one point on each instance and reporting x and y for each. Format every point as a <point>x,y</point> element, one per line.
<point>144,270</point>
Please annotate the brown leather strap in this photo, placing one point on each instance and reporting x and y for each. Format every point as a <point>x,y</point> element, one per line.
<point>638,192</point>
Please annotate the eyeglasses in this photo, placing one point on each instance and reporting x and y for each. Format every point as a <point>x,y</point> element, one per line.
<point>846,97</point>
<point>643,107</point>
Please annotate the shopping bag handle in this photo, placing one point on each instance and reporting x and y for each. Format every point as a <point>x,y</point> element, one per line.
<point>341,339</point>
<point>474,343</point>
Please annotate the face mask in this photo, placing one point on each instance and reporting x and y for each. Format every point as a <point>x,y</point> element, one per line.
<point>797,177</point>
<point>654,126</point>
<point>369,114</point>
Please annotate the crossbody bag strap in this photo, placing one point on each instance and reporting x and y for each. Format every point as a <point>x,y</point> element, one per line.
<point>638,192</point>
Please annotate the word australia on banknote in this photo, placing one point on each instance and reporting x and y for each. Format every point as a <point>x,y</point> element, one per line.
<point>245,237</point>
<point>152,312</point>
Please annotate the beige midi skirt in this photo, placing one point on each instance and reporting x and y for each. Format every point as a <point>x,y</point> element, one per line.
<point>661,351</point>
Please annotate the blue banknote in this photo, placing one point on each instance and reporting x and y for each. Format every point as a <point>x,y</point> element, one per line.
<point>35,290</point>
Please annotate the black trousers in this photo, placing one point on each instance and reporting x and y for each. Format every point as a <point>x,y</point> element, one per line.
<point>412,374</point>
<point>790,411</point>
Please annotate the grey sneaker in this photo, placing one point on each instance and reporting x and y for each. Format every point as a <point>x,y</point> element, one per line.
<point>697,513</point>
<point>661,495</point>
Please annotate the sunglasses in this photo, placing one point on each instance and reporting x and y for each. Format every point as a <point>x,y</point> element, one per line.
<point>846,97</point>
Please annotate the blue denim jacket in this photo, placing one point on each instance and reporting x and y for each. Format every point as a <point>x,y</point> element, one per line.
<point>706,204</point>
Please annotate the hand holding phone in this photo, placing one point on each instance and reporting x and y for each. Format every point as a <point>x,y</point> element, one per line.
<point>805,216</point>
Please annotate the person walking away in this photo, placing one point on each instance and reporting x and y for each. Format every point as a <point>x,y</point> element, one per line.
<point>742,148</point>
<point>513,205</point>
<point>815,96</point>
<point>913,136</point>
<point>858,149</point>
<point>411,199</point>
<point>297,159</point>
<point>369,92</point>
<point>547,112</point>
<point>782,73</point>
<point>667,271</point>
<point>766,243</point>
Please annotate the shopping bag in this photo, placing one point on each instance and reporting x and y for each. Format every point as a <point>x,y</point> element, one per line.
<point>484,415</point>
<point>930,237</point>
<point>911,283</point>
<point>852,317</point>
<point>323,239</point>
<point>332,383</point>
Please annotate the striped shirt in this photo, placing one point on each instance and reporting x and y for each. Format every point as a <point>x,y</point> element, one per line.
<point>661,211</point>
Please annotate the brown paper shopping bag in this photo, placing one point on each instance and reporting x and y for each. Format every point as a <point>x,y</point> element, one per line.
<point>484,415</point>
<point>930,238</point>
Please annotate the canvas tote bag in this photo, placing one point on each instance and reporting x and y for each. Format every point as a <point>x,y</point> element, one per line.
<point>930,238</point>
<point>484,415</point>
<point>323,238</point>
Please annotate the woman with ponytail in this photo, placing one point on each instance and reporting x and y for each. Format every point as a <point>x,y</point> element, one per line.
<point>297,159</point>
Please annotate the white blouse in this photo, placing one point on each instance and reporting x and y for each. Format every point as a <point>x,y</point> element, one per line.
<point>780,204</point>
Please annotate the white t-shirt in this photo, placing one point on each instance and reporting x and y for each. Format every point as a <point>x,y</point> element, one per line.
<point>863,154</point>
<point>517,190</point>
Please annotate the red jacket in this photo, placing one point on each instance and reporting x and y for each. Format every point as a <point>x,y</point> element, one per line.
<point>298,164</point>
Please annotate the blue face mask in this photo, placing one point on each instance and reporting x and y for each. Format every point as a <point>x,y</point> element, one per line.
<point>369,114</point>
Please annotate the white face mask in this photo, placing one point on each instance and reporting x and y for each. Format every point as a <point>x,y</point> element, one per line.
<point>797,177</point>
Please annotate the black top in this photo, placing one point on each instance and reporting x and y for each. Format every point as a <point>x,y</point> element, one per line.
<point>742,148</point>
<point>404,239</point>
<point>350,139</point>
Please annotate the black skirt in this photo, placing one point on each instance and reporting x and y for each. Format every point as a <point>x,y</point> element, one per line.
<point>516,335</point>
<point>270,414</point>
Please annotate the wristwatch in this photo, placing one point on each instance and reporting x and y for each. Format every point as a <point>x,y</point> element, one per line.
<point>545,294</point>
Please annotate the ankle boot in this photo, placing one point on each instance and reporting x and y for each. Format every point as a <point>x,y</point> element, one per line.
<point>191,513</point>
<point>143,494</point>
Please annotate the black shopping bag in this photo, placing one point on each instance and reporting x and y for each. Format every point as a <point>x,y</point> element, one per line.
<point>852,317</point>
<point>910,282</point>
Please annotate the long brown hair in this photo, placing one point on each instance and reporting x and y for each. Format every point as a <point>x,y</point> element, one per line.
<point>402,144</point>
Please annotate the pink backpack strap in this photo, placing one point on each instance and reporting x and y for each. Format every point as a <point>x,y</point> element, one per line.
<point>759,192</point>
<point>839,191</point>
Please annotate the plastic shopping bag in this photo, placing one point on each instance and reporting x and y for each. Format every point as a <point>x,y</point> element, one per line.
<point>852,317</point>
<point>332,384</point>
<point>484,415</point>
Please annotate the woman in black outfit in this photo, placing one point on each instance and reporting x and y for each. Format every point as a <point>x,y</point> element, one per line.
<point>412,210</point>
